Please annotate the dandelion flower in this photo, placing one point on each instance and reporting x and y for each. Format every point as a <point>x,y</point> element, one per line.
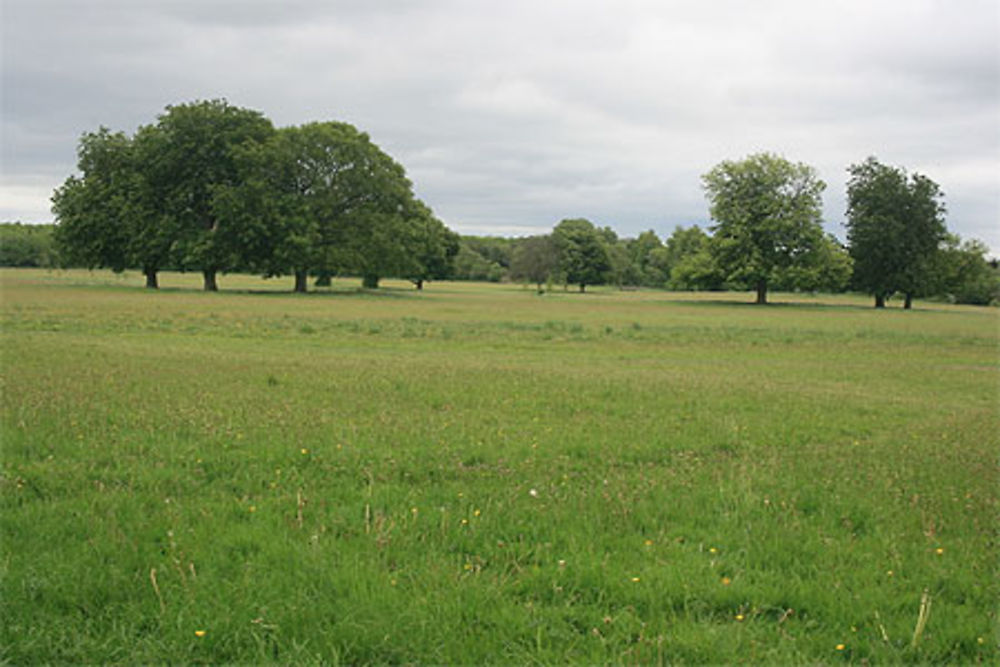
<point>726,581</point>
<point>840,647</point>
<point>649,543</point>
<point>304,450</point>
<point>739,617</point>
<point>939,551</point>
<point>253,508</point>
<point>713,550</point>
<point>476,513</point>
<point>199,633</point>
<point>635,580</point>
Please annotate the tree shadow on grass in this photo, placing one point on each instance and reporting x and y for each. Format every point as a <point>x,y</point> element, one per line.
<point>771,305</point>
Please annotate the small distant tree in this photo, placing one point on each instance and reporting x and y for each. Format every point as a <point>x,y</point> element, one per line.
<point>895,227</point>
<point>432,246</point>
<point>535,259</point>
<point>641,253</point>
<point>583,253</point>
<point>768,217</point>
<point>964,274</point>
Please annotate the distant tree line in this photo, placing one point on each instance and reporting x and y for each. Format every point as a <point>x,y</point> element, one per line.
<point>767,235</point>
<point>215,188</point>
<point>27,245</point>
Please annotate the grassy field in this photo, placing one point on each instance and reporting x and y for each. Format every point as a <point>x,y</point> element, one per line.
<point>474,474</point>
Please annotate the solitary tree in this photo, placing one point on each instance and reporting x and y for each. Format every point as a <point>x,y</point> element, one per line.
<point>535,259</point>
<point>895,227</point>
<point>583,255</point>
<point>767,212</point>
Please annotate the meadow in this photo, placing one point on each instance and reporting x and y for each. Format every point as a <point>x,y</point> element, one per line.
<point>474,473</point>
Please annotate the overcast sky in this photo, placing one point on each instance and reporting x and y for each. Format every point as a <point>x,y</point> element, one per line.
<point>510,116</point>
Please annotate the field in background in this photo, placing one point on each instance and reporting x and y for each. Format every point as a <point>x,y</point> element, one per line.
<point>474,473</point>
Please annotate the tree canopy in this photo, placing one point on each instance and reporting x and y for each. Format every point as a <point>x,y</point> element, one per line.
<point>895,227</point>
<point>767,212</point>
<point>213,187</point>
<point>583,254</point>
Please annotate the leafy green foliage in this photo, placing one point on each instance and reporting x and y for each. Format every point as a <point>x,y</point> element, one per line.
<point>27,245</point>
<point>95,210</point>
<point>767,212</point>
<point>194,151</point>
<point>583,252</point>
<point>895,226</point>
<point>536,260</point>
<point>214,187</point>
<point>964,275</point>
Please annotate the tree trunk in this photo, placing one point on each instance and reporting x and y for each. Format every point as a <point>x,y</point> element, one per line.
<point>583,288</point>
<point>880,301</point>
<point>419,283</point>
<point>761,292</point>
<point>908,301</point>
<point>541,290</point>
<point>300,282</point>
<point>210,284</point>
<point>325,279</point>
<point>369,281</point>
<point>151,280</point>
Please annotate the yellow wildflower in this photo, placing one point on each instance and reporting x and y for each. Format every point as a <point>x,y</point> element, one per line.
<point>199,633</point>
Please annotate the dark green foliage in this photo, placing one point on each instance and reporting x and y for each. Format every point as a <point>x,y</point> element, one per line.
<point>193,158</point>
<point>27,245</point>
<point>213,187</point>
<point>895,226</point>
<point>94,211</point>
<point>583,252</point>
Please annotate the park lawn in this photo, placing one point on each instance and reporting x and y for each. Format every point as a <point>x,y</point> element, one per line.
<point>475,473</point>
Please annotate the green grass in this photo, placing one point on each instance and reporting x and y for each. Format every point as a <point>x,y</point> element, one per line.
<point>474,473</point>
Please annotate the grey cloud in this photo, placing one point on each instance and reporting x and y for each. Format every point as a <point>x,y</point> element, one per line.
<point>518,114</point>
